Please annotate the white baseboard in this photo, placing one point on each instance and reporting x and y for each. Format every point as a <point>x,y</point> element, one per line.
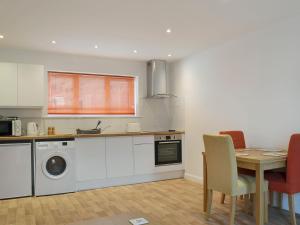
<point>194,178</point>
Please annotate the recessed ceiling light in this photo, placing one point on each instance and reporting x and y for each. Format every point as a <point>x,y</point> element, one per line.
<point>1,36</point>
<point>169,30</point>
<point>53,42</point>
<point>169,55</point>
<point>134,51</point>
<point>96,46</point>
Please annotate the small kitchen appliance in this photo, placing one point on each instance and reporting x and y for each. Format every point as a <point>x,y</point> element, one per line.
<point>32,129</point>
<point>10,126</point>
<point>133,127</point>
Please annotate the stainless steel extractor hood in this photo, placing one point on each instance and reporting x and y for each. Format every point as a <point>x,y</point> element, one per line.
<point>157,79</point>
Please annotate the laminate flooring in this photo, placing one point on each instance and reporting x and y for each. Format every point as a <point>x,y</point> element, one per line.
<point>170,202</point>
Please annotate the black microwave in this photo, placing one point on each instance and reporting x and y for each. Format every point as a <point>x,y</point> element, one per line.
<point>10,127</point>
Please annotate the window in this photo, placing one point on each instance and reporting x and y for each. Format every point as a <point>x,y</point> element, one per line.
<point>72,93</point>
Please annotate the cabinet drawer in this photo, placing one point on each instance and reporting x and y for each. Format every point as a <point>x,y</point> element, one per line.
<point>138,140</point>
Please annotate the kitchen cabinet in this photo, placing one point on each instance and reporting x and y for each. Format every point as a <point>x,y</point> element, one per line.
<point>119,156</point>
<point>143,149</point>
<point>31,85</point>
<point>8,84</point>
<point>15,170</point>
<point>90,159</point>
<point>21,85</point>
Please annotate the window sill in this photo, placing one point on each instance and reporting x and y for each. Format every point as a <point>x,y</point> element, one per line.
<point>89,116</point>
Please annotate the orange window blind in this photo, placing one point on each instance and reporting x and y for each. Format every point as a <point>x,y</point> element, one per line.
<point>72,93</point>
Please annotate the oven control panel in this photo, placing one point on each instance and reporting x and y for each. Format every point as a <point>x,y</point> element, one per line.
<point>167,137</point>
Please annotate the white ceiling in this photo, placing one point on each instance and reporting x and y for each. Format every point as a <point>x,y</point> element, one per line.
<point>121,26</point>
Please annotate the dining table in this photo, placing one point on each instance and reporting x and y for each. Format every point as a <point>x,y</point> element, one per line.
<point>258,160</point>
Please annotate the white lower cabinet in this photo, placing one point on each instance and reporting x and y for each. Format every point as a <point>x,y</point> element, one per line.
<point>15,170</point>
<point>119,160</point>
<point>119,156</point>
<point>90,159</point>
<point>144,159</point>
<point>143,149</point>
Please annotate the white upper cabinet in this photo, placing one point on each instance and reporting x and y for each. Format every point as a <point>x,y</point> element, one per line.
<point>31,85</point>
<point>8,84</point>
<point>21,85</point>
<point>119,156</point>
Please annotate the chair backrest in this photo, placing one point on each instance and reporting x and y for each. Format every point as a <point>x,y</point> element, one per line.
<point>221,163</point>
<point>238,138</point>
<point>293,161</point>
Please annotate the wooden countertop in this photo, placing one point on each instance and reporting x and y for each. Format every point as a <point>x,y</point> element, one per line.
<point>112,134</point>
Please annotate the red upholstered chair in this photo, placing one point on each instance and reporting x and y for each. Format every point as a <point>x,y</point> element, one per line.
<point>238,139</point>
<point>288,182</point>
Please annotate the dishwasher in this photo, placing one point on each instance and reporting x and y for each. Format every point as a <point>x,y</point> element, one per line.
<point>15,169</point>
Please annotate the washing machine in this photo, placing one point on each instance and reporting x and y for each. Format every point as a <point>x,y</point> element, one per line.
<point>54,167</point>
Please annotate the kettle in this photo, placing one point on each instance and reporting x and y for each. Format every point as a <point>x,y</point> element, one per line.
<point>32,129</point>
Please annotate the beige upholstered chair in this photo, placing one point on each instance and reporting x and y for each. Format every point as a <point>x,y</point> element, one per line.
<point>222,173</point>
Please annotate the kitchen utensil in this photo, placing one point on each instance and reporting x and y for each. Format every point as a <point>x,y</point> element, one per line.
<point>98,124</point>
<point>91,131</point>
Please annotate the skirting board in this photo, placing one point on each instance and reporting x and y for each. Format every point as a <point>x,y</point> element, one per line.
<point>194,178</point>
<point>110,182</point>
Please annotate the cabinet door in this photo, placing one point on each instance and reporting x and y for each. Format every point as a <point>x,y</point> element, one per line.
<point>31,84</point>
<point>144,162</point>
<point>119,156</point>
<point>8,84</point>
<point>15,170</point>
<point>90,159</point>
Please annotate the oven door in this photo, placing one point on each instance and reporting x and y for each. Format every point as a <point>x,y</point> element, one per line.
<point>5,127</point>
<point>168,152</point>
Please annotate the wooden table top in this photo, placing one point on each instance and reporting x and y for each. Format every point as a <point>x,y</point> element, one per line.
<point>260,156</point>
<point>257,155</point>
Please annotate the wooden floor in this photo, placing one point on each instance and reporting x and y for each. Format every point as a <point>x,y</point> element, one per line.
<point>173,202</point>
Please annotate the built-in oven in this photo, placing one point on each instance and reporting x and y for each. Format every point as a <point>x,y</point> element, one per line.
<point>168,149</point>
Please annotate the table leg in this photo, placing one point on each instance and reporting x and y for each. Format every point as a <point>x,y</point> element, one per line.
<point>205,191</point>
<point>259,195</point>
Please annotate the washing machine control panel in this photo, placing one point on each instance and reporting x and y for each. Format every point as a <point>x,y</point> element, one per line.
<point>58,145</point>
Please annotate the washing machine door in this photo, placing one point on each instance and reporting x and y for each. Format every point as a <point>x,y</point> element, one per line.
<point>56,165</point>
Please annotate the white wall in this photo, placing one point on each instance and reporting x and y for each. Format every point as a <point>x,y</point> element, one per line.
<point>251,83</point>
<point>153,113</point>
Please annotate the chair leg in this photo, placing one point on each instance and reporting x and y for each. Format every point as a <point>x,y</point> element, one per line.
<point>266,208</point>
<point>253,197</point>
<point>222,198</point>
<point>248,204</point>
<point>271,198</point>
<point>232,209</point>
<point>279,201</point>
<point>292,209</point>
<point>209,201</point>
